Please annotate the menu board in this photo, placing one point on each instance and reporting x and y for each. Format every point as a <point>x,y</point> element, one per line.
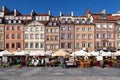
<point>4,59</point>
<point>71,59</point>
<point>99,58</point>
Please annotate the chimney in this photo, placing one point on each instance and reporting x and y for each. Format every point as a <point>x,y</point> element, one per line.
<point>3,8</point>
<point>71,13</point>
<point>49,12</point>
<point>15,12</point>
<point>60,13</point>
<point>32,13</point>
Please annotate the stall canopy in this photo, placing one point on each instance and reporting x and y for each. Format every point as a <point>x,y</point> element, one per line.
<point>93,53</point>
<point>80,53</point>
<point>106,54</point>
<point>20,53</point>
<point>37,53</point>
<point>61,53</point>
<point>47,53</point>
<point>2,53</point>
<point>117,53</point>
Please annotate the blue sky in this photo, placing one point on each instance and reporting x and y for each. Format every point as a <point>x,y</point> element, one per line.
<point>66,6</point>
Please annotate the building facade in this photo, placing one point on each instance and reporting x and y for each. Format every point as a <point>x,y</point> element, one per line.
<point>104,31</point>
<point>14,35</point>
<point>84,34</point>
<point>67,34</point>
<point>1,35</point>
<point>34,36</point>
<point>52,36</point>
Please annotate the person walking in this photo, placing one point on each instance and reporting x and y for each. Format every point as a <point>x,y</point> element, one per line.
<point>64,62</point>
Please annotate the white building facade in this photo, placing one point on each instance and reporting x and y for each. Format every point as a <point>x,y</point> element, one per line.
<point>34,36</point>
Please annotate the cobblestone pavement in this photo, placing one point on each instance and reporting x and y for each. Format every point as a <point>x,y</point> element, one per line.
<point>57,73</point>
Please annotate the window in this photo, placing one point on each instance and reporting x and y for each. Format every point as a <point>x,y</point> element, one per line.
<point>69,45</point>
<point>104,26</point>
<point>8,28</point>
<point>77,29</point>
<point>41,45</point>
<point>18,36</point>
<point>53,30</point>
<point>1,29</point>
<point>14,21</point>
<point>31,36</point>
<point>83,29</point>
<point>42,29</point>
<point>26,45</point>
<point>110,26</point>
<point>13,28</point>
<point>98,35</point>
<point>97,44</point>
<point>19,21</point>
<point>78,36</point>
<point>104,35</point>
<point>62,36</point>
<point>118,36</point>
<point>56,37</point>
<point>57,30</point>
<point>54,24</point>
<point>69,36</point>
<point>69,20</point>
<point>77,45</point>
<point>63,20</point>
<point>89,45</point>
<point>42,36</point>
<point>62,45</point>
<point>26,29</point>
<point>13,36</point>
<point>69,28</point>
<point>36,36</point>
<point>89,36</point>
<point>7,45</point>
<point>31,29</point>
<point>83,45</point>
<point>62,28</point>
<point>110,44</point>
<point>88,21</point>
<point>48,30</point>
<point>1,45</point>
<point>77,21</point>
<point>31,45</point>
<point>118,44</point>
<point>82,21</point>
<point>13,45</point>
<point>97,26</point>
<point>9,21</point>
<point>7,36</point>
<point>56,46</point>
<point>37,45</point>
<point>0,20</point>
<point>18,28</point>
<point>89,29</point>
<point>110,35</point>
<point>83,36</point>
<point>50,23</point>
<point>37,29</point>
<point>103,16</point>
<point>26,36</point>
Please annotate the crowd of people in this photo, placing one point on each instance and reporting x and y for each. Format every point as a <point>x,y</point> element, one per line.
<point>60,61</point>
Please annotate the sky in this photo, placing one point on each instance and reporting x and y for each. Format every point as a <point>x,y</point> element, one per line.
<point>65,6</point>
